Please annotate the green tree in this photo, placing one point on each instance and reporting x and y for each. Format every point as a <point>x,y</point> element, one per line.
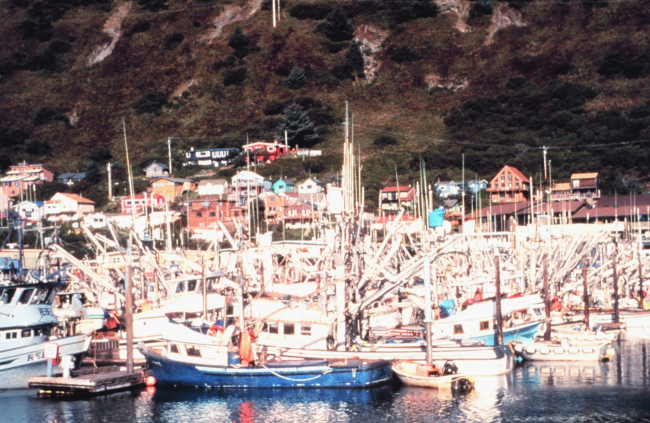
<point>337,27</point>
<point>93,173</point>
<point>354,59</point>
<point>239,41</point>
<point>297,79</point>
<point>481,7</point>
<point>300,130</point>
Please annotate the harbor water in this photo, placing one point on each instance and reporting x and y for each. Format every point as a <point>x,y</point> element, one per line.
<point>617,391</point>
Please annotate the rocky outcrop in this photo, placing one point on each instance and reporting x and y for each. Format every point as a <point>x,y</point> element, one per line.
<point>231,14</point>
<point>112,27</point>
<point>502,17</point>
<point>184,87</point>
<point>450,83</point>
<point>461,9</point>
<point>371,40</point>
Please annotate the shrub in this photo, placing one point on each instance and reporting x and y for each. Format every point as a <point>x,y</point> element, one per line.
<point>384,140</point>
<point>47,115</point>
<point>153,5</point>
<point>273,108</point>
<point>406,11</point>
<point>12,137</point>
<point>174,40</point>
<point>238,39</point>
<point>354,59</point>
<point>481,8</point>
<point>152,102</point>
<point>405,55</point>
<point>316,11</point>
<point>234,76</point>
<point>140,27</point>
<point>37,148</point>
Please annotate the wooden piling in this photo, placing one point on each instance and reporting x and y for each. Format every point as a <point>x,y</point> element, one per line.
<point>640,279</point>
<point>616,314</point>
<point>128,316</point>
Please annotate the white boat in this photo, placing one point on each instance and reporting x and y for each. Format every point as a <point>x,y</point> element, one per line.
<point>429,376</point>
<point>576,332</point>
<point>548,351</point>
<point>637,321</point>
<point>27,324</point>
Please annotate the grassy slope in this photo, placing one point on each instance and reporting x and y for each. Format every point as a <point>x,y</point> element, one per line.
<point>398,101</point>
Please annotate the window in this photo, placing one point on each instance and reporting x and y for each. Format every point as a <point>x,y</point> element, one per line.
<point>484,325</point>
<point>7,296</point>
<point>510,177</point>
<point>174,348</point>
<point>516,184</point>
<point>213,214</point>
<point>38,332</point>
<point>193,351</point>
<point>503,178</point>
<point>26,333</point>
<point>191,285</point>
<point>199,214</point>
<point>25,296</point>
<point>458,330</point>
<point>273,328</point>
<point>305,330</point>
<point>289,329</point>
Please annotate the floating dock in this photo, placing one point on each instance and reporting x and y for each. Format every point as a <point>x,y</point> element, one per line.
<point>89,382</point>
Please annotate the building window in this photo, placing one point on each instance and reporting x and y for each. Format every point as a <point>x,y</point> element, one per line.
<point>484,325</point>
<point>199,214</point>
<point>510,177</point>
<point>273,328</point>
<point>503,178</point>
<point>213,214</point>
<point>458,330</point>
<point>305,330</point>
<point>516,184</point>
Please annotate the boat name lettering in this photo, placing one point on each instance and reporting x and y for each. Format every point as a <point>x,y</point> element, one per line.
<point>35,356</point>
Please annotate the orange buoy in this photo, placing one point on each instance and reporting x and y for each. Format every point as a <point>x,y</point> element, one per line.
<point>150,381</point>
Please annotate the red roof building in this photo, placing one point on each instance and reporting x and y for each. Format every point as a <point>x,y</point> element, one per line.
<point>391,199</point>
<point>509,186</point>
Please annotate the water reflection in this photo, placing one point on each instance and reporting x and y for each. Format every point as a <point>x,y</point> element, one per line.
<point>615,391</point>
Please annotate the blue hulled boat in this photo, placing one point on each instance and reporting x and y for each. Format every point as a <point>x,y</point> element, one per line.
<point>194,359</point>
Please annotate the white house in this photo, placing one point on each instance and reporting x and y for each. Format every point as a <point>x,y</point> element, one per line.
<point>5,205</point>
<point>65,206</point>
<point>246,184</point>
<point>30,211</point>
<point>213,187</point>
<point>309,187</point>
<point>446,188</point>
<point>95,220</point>
<point>156,170</point>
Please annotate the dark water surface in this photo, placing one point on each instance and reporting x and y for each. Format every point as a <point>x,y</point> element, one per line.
<point>618,391</point>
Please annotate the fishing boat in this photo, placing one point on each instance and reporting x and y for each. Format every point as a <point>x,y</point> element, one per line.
<point>27,324</point>
<point>192,359</point>
<point>430,376</point>
<point>553,351</point>
<point>577,332</point>
<point>637,321</point>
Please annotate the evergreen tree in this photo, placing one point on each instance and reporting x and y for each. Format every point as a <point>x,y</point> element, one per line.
<point>338,28</point>
<point>354,59</point>
<point>481,7</point>
<point>300,130</point>
<point>238,39</point>
<point>93,174</point>
<point>297,79</point>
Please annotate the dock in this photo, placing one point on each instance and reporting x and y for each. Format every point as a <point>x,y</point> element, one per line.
<point>89,382</point>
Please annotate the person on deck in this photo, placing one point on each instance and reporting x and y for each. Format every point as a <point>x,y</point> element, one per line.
<point>478,295</point>
<point>555,304</point>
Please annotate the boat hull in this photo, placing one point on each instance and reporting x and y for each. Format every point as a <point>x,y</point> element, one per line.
<point>544,352</point>
<point>524,333</point>
<point>19,364</point>
<point>322,374</point>
<point>432,382</point>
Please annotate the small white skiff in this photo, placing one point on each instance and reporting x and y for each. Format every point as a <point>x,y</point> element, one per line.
<point>547,351</point>
<point>411,373</point>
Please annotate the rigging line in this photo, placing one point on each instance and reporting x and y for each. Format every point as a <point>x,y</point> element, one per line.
<point>407,2</point>
<point>517,147</point>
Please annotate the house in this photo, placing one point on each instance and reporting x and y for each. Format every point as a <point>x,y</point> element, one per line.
<point>309,186</point>
<point>474,186</point>
<point>71,178</point>
<point>211,157</point>
<point>581,187</point>
<point>584,185</point>
<point>22,177</point>
<point>5,205</point>
<point>453,210</point>
<point>445,189</point>
<point>298,215</point>
<point>139,201</point>
<point>264,151</point>
<point>204,213</point>
<point>246,184</point>
<point>156,170</point>
<point>284,186</point>
<point>213,187</point>
<point>170,188</point>
<point>274,206</point>
<point>611,208</point>
<point>391,199</point>
<point>66,207</point>
<point>95,220</point>
<point>509,186</point>
<point>317,200</point>
<point>30,212</point>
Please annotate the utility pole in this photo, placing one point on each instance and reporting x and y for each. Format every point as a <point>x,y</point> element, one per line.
<point>273,12</point>
<point>110,182</point>
<point>169,152</point>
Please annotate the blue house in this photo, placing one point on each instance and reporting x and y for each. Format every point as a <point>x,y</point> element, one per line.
<point>476,186</point>
<point>444,189</point>
<point>283,186</point>
<point>71,178</point>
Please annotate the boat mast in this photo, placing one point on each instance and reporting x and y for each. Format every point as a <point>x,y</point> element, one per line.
<point>427,303</point>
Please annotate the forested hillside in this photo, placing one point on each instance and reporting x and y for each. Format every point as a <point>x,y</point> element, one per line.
<point>495,81</point>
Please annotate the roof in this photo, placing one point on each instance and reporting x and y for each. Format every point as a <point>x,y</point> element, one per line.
<point>591,175</point>
<point>77,198</point>
<point>286,182</point>
<point>450,203</point>
<point>175,180</point>
<point>160,165</point>
<point>391,218</point>
<point>213,182</point>
<point>501,209</point>
<point>562,186</point>
<point>557,207</point>
<point>516,172</point>
<point>396,189</point>
<point>72,176</point>
<point>444,183</point>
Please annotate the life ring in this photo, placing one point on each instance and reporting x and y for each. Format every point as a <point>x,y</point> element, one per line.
<point>214,329</point>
